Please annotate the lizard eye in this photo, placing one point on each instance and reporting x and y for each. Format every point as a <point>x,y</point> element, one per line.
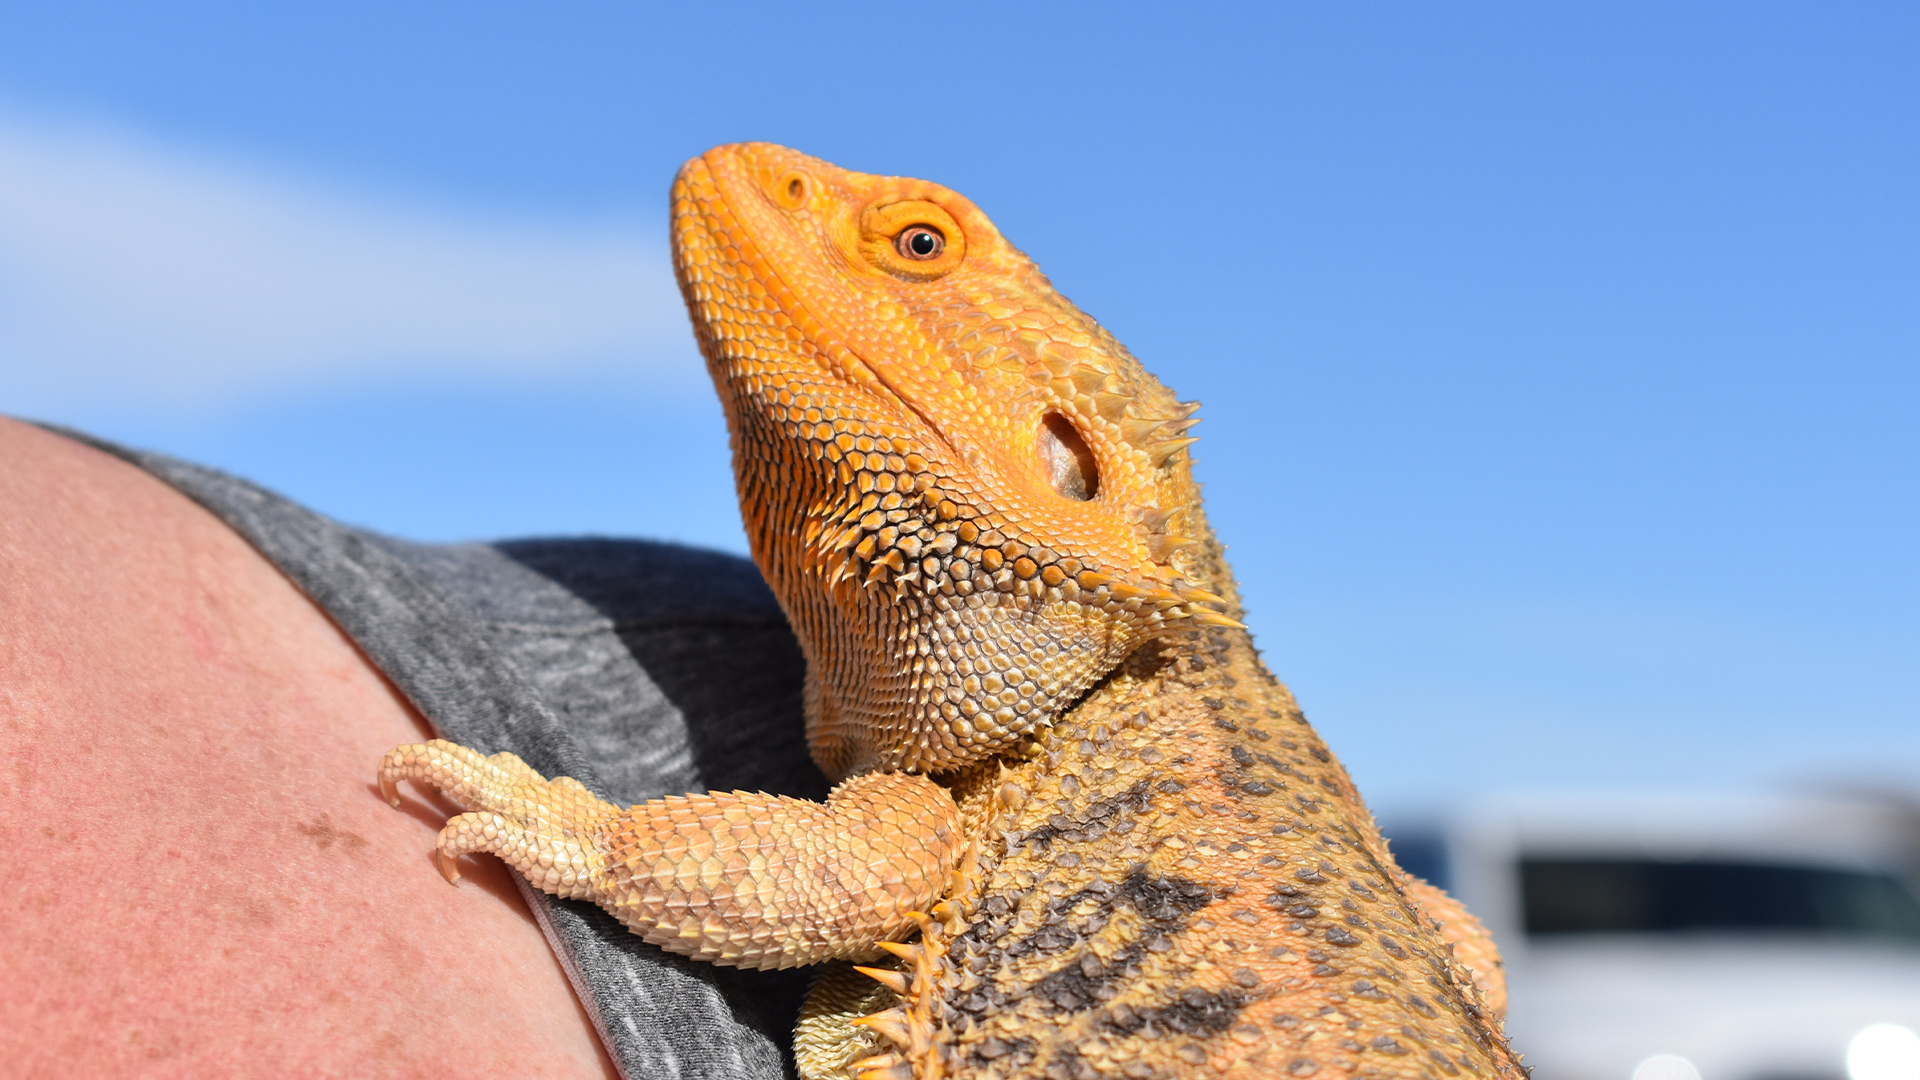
<point>912,239</point>
<point>920,243</point>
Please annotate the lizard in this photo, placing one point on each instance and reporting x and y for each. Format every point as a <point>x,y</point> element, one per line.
<point>1079,829</point>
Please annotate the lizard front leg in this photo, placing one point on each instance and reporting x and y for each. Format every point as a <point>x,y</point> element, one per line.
<point>739,878</point>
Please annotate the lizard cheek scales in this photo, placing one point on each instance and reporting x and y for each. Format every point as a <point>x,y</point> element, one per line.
<point>976,507</point>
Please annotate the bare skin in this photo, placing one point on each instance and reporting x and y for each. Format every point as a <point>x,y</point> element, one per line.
<point>202,881</point>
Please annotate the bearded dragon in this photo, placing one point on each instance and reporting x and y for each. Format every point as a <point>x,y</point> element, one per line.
<point>1079,829</point>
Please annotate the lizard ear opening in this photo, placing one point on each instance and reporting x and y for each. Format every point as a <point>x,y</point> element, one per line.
<point>1067,459</point>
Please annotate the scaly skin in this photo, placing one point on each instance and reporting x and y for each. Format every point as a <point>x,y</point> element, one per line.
<point>1053,736</point>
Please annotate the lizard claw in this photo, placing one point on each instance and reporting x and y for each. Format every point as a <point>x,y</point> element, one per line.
<point>389,779</point>
<point>449,867</point>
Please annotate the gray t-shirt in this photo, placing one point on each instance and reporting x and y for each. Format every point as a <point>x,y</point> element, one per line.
<point>640,669</point>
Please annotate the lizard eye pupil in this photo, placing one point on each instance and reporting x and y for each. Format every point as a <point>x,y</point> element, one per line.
<point>920,243</point>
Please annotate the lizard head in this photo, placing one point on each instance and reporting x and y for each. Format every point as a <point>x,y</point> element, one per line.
<point>971,500</point>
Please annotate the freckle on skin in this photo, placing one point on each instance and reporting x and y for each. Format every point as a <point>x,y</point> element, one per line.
<point>263,722</point>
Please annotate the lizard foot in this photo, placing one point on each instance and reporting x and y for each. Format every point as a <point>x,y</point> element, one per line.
<point>826,1041</point>
<point>539,827</point>
<point>880,1023</point>
<point>738,878</point>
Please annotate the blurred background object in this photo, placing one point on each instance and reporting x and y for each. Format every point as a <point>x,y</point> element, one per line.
<point>1560,365</point>
<point>1662,936</point>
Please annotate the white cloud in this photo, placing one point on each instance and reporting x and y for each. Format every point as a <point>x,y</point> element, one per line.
<point>134,271</point>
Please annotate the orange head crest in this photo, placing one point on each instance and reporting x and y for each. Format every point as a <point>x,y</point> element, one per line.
<point>969,497</point>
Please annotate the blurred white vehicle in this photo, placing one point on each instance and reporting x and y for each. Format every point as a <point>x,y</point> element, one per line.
<point>1679,937</point>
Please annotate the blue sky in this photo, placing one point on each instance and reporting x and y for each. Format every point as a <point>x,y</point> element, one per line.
<point>1560,366</point>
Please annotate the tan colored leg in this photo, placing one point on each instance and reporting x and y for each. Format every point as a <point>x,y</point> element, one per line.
<point>738,878</point>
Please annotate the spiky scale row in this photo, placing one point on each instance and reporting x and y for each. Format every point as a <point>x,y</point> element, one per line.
<point>920,1044</point>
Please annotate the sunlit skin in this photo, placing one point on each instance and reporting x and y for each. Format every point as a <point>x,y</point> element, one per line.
<point>202,882</point>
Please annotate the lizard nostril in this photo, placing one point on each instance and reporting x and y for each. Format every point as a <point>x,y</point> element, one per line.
<point>790,191</point>
<point>1067,459</point>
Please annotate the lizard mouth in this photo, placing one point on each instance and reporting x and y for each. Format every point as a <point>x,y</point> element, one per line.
<point>732,186</point>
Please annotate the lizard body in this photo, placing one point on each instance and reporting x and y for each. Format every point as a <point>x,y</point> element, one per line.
<point>1061,761</point>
